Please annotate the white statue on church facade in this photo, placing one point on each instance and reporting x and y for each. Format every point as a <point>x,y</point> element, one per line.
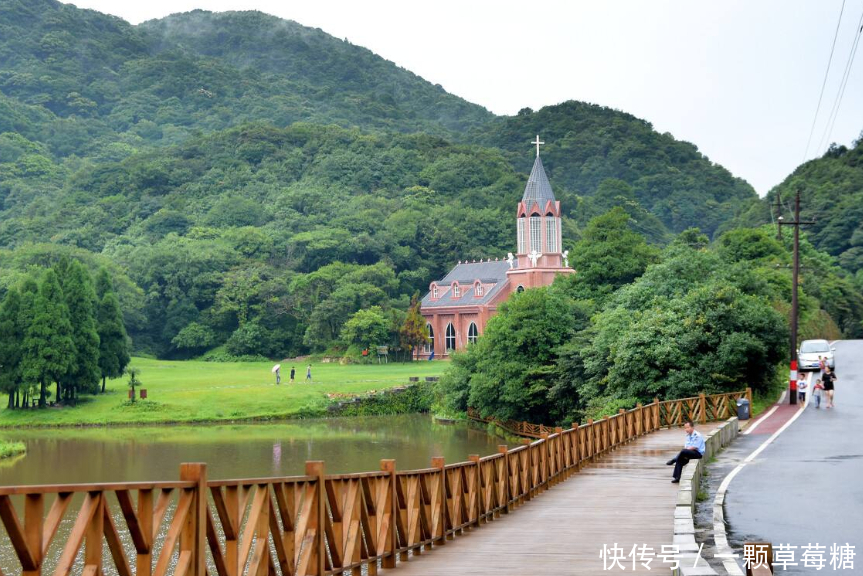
<point>534,257</point>
<point>510,259</point>
<point>566,258</point>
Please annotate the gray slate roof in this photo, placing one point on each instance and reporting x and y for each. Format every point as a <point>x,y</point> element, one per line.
<point>538,188</point>
<point>465,274</point>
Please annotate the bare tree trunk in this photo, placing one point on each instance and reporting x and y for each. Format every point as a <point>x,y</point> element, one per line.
<point>103,384</point>
<point>43,393</point>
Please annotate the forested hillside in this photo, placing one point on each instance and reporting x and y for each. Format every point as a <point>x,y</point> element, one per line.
<point>831,194</point>
<point>251,184</point>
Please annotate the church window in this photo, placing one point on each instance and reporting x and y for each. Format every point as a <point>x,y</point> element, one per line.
<point>434,291</point>
<point>450,337</point>
<point>478,290</point>
<point>535,233</point>
<point>472,334</point>
<point>429,346</point>
<point>456,291</point>
<point>522,245</point>
<point>520,289</point>
<point>551,234</point>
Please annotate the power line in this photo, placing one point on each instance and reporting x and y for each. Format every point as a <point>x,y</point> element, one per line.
<point>831,120</point>
<point>824,82</point>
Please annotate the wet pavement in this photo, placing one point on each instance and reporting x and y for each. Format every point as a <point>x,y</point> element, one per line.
<point>806,487</point>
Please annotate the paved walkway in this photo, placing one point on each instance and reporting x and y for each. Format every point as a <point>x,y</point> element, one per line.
<point>626,497</point>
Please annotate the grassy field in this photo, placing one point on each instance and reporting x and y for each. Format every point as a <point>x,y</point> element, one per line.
<point>191,391</point>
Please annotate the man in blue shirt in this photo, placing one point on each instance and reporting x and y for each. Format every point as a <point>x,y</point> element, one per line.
<point>693,449</point>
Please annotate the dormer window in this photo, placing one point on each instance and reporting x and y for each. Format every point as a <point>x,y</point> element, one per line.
<point>434,292</point>
<point>478,290</point>
<point>456,290</point>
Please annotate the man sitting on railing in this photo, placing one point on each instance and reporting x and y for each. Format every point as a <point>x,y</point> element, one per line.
<point>693,449</point>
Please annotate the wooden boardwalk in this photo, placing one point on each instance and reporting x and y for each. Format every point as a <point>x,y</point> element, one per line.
<point>625,497</point>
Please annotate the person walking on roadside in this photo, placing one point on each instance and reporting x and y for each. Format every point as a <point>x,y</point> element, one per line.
<point>828,380</point>
<point>822,364</point>
<point>693,449</point>
<point>816,393</point>
<point>278,376</point>
<point>309,373</point>
<point>293,372</point>
<point>801,390</point>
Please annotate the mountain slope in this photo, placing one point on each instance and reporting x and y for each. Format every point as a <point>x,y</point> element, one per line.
<point>160,83</point>
<point>831,194</point>
<point>605,154</point>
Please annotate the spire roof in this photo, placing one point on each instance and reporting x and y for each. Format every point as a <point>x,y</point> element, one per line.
<point>538,188</point>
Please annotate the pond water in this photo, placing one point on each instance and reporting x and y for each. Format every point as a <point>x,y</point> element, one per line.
<point>120,454</point>
<point>125,454</point>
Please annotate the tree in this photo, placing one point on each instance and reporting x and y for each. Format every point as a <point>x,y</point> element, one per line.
<point>366,329</point>
<point>80,298</point>
<point>609,255</point>
<point>133,380</point>
<point>113,342</point>
<point>11,349</point>
<point>511,369</point>
<point>413,332</point>
<point>48,345</point>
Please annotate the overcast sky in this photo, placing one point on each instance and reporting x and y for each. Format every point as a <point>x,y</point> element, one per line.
<point>738,78</point>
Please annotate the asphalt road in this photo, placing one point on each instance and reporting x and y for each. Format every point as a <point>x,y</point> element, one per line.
<point>807,487</point>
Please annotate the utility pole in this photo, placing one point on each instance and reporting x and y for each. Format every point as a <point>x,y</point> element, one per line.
<point>795,275</point>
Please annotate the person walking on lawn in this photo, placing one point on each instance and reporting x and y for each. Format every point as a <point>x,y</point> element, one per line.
<point>693,449</point>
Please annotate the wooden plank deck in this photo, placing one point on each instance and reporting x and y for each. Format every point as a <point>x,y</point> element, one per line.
<point>625,497</point>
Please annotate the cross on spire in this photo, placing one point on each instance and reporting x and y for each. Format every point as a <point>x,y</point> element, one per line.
<point>538,144</point>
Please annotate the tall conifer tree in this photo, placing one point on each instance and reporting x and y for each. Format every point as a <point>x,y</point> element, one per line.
<point>11,345</point>
<point>48,346</point>
<point>113,344</point>
<point>80,297</point>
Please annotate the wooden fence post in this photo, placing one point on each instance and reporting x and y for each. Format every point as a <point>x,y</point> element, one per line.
<point>476,488</point>
<point>576,452</point>
<point>439,463</point>
<point>502,449</point>
<point>390,546</point>
<point>749,398</point>
<point>657,414</point>
<point>318,520</point>
<point>639,420</point>
<point>702,408</point>
<point>193,538</point>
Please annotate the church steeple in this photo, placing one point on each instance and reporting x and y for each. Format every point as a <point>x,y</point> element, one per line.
<point>538,188</point>
<point>538,221</point>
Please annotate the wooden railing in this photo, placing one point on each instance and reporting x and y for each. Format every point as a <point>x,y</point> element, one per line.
<point>314,524</point>
<point>701,409</point>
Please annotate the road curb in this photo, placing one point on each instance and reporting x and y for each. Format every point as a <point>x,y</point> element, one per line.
<point>689,560</point>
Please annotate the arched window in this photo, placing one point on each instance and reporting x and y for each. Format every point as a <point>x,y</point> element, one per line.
<point>522,244</point>
<point>472,333</point>
<point>520,289</point>
<point>478,290</point>
<point>456,290</point>
<point>429,346</point>
<point>434,291</point>
<point>450,337</point>
<point>550,234</point>
<point>536,233</point>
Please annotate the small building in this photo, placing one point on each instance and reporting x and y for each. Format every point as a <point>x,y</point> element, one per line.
<point>458,307</point>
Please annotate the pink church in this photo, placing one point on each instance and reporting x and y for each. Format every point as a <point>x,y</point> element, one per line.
<point>458,306</point>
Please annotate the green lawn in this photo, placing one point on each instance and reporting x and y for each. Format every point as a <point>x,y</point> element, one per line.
<point>192,391</point>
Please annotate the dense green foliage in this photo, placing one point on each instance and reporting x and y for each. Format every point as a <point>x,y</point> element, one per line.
<point>695,318</point>
<point>131,147</point>
<point>831,194</point>
<point>49,332</point>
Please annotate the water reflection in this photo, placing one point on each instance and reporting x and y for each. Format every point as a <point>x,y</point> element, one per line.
<point>235,451</point>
